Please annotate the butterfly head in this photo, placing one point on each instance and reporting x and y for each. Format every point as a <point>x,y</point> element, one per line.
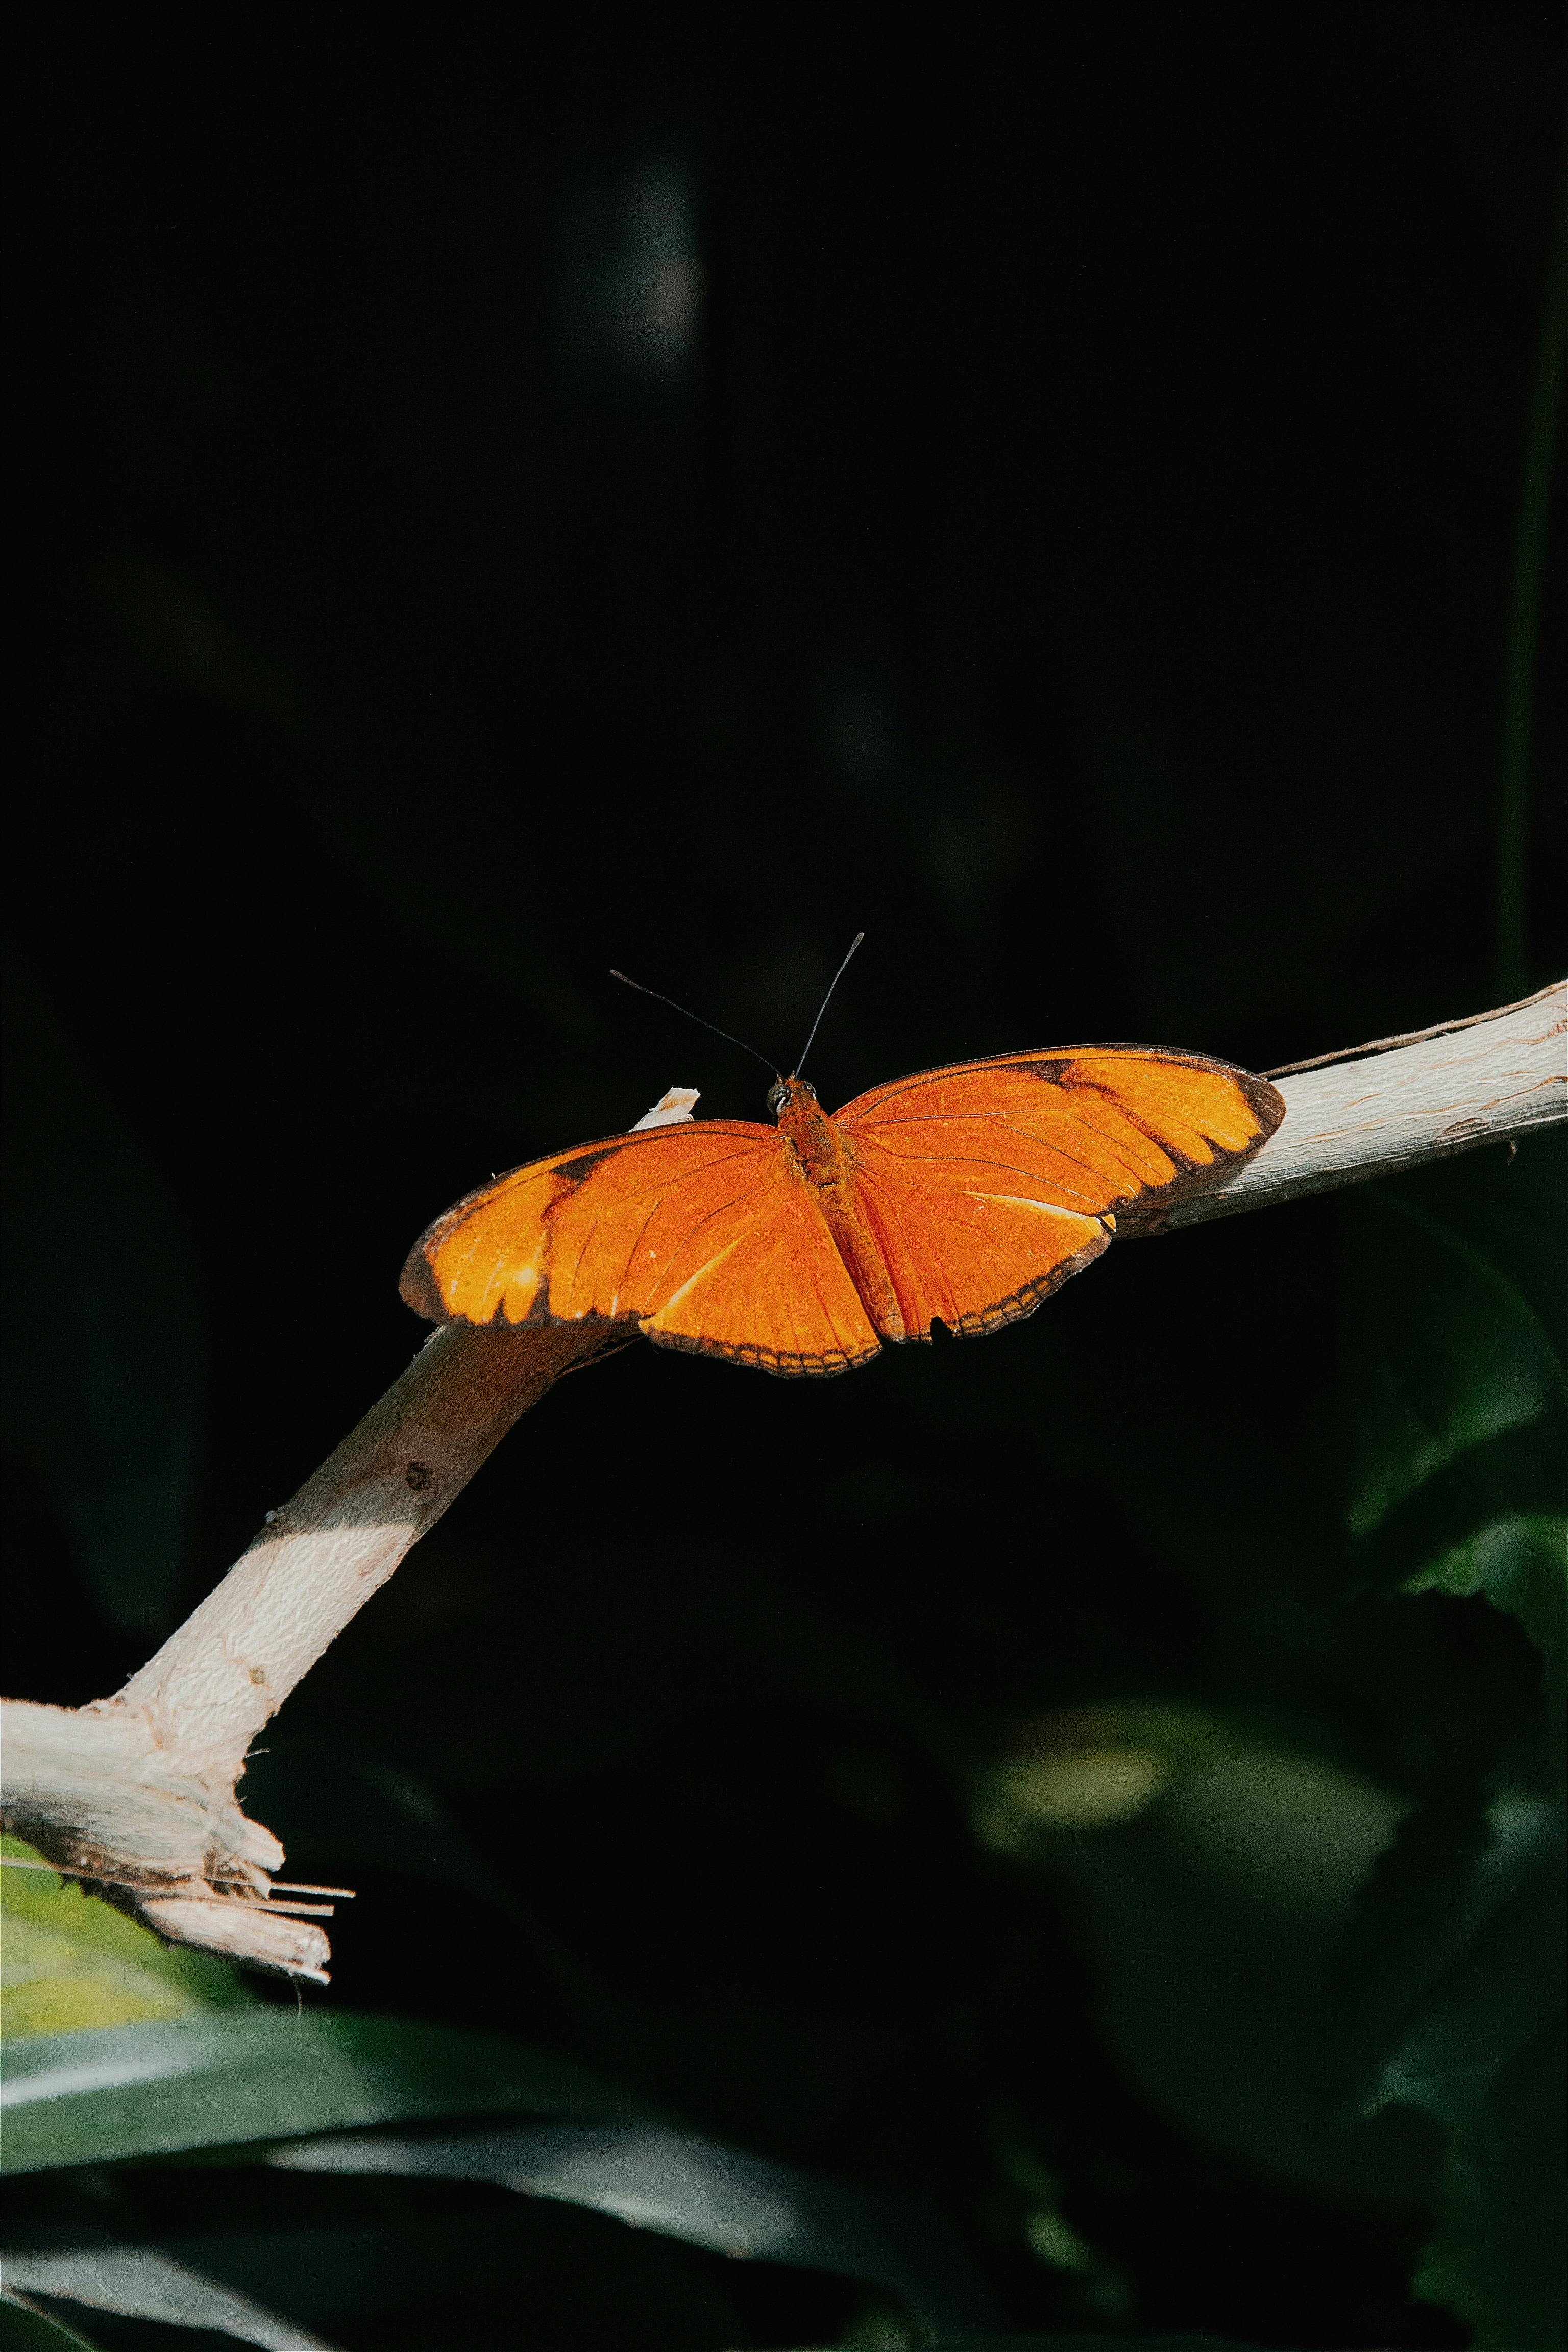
<point>784,1093</point>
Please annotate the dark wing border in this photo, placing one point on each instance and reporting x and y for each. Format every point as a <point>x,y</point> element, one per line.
<point>766,1360</point>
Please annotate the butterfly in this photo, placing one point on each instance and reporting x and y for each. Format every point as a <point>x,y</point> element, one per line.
<point>963,1195</point>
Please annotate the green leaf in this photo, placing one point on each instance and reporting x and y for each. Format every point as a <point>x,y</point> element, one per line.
<point>233,2076</point>
<point>1212,1923</point>
<point>1450,1355</point>
<point>24,2329</point>
<point>1457,1951</point>
<point>72,1961</point>
<point>144,2283</point>
<point>1495,1999</point>
<point>695,2190</point>
<point>1520,1564</point>
<point>103,1345</point>
<point>479,2271</point>
<point>1495,2255</point>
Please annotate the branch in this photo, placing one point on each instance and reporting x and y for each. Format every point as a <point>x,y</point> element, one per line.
<point>137,1792</point>
<point>1402,1103</point>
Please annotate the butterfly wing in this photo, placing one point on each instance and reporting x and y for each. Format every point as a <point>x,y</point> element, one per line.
<point>702,1236</point>
<point>987,1184</point>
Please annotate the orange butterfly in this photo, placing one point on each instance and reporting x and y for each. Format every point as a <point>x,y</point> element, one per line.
<point>964,1195</point>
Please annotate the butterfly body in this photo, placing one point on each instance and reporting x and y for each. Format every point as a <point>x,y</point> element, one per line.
<point>963,1195</point>
<point>827,1161</point>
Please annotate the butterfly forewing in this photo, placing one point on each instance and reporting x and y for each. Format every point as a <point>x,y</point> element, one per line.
<point>701,1234</point>
<point>987,1184</point>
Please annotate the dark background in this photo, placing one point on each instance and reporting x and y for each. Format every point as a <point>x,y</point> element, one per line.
<point>502,499</point>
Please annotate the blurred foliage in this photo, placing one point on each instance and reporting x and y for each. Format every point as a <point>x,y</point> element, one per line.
<point>1458,1957</point>
<point>1459,1952</point>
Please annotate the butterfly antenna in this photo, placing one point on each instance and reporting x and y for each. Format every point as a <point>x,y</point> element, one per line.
<point>823,1007</point>
<point>695,1016</point>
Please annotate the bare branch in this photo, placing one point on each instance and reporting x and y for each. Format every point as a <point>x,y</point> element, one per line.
<point>140,1786</point>
<point>1482,1081</point>
<point>138,1791</point>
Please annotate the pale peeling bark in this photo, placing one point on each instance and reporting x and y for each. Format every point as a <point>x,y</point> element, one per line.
<point>137,1791</point>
